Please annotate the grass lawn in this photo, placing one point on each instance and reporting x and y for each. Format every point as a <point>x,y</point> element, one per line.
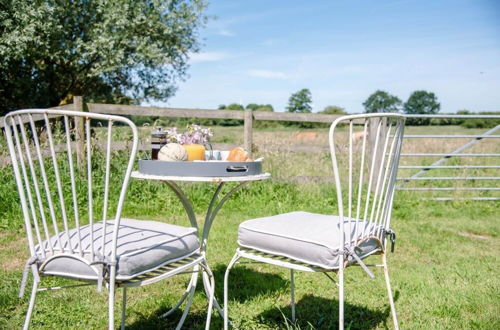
<point>443,272</point>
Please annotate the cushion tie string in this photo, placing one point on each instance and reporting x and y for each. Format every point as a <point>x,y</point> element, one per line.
<point>392,237</point>
<point>351,252</point>
<point>31,262</point>
<point>104,264</point>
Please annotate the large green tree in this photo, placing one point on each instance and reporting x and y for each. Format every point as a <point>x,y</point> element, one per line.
<point>300,101</point>
<point>381,101</point>
<point>421,103</point>
<point>111,51</point>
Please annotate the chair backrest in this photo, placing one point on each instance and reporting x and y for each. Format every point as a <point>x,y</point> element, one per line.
<point>365,153</point>
<point>59,191</point>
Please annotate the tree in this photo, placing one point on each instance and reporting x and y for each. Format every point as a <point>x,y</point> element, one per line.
<point>260,107</point>
<point>231,122</point>
<point>300,102</point>
<point>232,106</point>
<point>381,101</point>
<point>333,110</point>
<point>421,102</point>
<point>110,51</point>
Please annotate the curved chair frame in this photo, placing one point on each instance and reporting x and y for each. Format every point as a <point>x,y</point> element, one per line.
<point>370,200</point>
<point>35,172</point>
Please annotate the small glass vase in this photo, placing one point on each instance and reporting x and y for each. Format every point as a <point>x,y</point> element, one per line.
<point>195,151</point>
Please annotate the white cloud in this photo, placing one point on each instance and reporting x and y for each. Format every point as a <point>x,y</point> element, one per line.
<point>267,74</point>
<point>207,57</point>
<point>269,42</point>
<point>225,32</point>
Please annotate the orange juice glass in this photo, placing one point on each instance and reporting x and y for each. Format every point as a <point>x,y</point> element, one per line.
<point>195,151</point>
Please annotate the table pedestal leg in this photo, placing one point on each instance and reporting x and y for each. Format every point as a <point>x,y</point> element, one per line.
<point>186,203</point>
<point>206,284</point>
<point>190,288</point>
<point>212,211</point>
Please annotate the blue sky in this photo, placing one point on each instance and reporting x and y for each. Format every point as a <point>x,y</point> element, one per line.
<point>263,51</point>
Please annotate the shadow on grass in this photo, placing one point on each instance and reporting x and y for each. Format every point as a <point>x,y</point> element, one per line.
<point>320,313</point>
<point>194,320</point>
<point>246,283</point>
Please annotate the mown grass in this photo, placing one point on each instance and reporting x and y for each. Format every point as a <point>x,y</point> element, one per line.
<point>444,269</point>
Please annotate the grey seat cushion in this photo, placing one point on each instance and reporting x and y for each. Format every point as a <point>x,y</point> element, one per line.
<point>305,237</point>
<point>141,246</point>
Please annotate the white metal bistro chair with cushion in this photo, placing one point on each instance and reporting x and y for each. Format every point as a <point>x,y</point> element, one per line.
<point>72,189</point>
<point>365,153</point>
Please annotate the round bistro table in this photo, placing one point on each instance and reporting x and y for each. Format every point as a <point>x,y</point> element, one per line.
<point>213,208</point>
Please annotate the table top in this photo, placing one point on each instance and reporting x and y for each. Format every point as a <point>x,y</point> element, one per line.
<point>240,178</point>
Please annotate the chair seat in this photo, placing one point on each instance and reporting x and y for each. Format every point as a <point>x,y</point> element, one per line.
<point>141,246</point>
<point>308,238</point>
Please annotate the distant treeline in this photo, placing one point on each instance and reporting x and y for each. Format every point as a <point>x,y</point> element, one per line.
<point>182,122</point>
<point>468,123</point>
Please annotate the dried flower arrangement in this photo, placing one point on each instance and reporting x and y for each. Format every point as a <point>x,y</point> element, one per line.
<point>194,134</point>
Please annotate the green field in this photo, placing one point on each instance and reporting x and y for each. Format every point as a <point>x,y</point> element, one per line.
<point>444,269</point>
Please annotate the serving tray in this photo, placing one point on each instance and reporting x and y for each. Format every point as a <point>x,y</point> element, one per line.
<point>210,168</point>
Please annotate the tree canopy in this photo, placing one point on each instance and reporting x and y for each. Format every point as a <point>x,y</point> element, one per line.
<point>333,110</point>
<point>423,103</point>
<point>300,101</point>
<point>232,106</point>
<point>260,107</point>
<point>109,51</point>
<point>381,101</point>
<point>230,122</point>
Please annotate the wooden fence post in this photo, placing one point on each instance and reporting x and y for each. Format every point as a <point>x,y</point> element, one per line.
<point>79,131</point>
<point>248,134</point>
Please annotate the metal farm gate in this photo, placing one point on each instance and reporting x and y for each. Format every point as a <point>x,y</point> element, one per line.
<point>466,163</point>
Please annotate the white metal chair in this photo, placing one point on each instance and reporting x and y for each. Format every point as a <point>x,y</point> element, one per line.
<point>365,173</point>
<point>71,235</point>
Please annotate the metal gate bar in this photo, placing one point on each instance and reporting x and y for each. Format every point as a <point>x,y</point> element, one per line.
<point>452,188</point>
<point>419,176</point>
<point>449,155</point>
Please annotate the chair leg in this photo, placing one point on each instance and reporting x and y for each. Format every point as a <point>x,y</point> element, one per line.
<point>31,305</point>
<point>111,304</point>
<point>389,292</point>
<point>292,287</point>
<point>341,293</point>
<point>124,307</point>
<point>211,295</point>
<point>206,284</point>
<point>226,289</point>
<point>189,301</point>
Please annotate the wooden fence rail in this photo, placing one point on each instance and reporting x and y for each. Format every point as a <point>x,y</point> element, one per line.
<point>247,116</point>
<point>135,110</point>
